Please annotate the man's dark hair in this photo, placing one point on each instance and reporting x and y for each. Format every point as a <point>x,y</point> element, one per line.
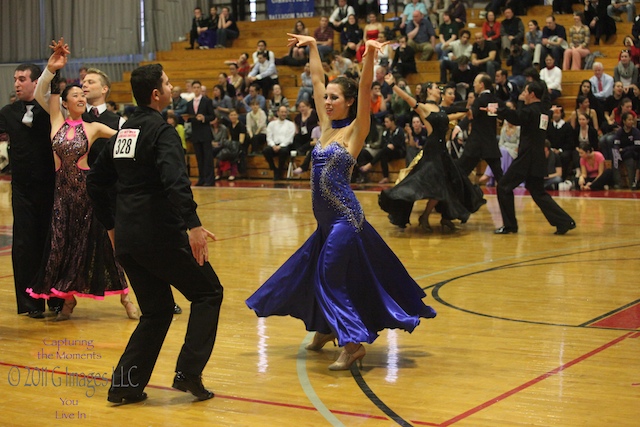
<point>264,54</point>
<point>144,80</point>
<point>502,72</point>
<point>196,82</point>
<point>536,88</point>
<point>531,72</point>
<point>467,32</point>
<point>391,117</point>
<point>35,70</point>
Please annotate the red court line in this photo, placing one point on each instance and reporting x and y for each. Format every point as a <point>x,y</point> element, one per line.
<point>629,318</point>
<point>534,381</point>
<point>220,396</point>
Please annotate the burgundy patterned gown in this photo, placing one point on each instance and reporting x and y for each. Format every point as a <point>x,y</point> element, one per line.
<point>80,260</point>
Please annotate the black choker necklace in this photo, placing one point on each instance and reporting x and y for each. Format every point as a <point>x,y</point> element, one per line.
<point>429,101</point>
<point>337,124</point>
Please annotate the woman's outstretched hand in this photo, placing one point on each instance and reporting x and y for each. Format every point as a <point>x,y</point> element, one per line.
<point>58,58</point>
<point>373,45</point>
<point>299,40</point>
<point>390,79</point>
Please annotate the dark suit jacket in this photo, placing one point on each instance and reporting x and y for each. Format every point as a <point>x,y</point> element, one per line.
<point>201,132</point>
<point>30,151</point>
<point>531,159</point>
<point>482,140</point>
<point>562,138</point>
<point>108,118</point>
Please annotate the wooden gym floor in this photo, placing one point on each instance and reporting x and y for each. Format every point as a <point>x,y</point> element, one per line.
<point>532,329</point>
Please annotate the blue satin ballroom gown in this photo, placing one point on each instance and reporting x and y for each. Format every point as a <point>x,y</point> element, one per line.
<point>344,279</point>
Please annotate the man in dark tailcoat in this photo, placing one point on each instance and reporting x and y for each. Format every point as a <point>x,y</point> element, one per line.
<point>28,129</point>
<point>482,142</point>
<point>531,165</point>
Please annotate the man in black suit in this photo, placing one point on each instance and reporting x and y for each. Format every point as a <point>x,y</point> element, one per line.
<point>531,164</point>
<point>561,136</point>
<point>199,24</point>
<point>28,129</point>
<point>200,112</point>
<point>155,208</point>
<point>482,142</point>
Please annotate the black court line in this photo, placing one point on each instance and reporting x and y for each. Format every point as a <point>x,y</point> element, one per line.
<point>355,372</point>
<point>527,263</point>
<point>612,312</point>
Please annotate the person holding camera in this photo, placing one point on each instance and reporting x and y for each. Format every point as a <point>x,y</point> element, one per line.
<point>519,60</point>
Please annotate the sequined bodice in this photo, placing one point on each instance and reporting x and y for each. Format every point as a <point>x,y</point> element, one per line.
<point>439,121</point>
<point>70,144</point>
<point>332,196</point>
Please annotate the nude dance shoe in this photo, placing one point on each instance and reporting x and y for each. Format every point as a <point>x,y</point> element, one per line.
<point>319,340</point>
<point>346,359</point>
<point>131,309</point>
<point>67,309</point>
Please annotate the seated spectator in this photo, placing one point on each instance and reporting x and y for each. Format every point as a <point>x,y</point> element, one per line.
<point>533,41</point>
<point>415,138</point>
<point>351,37</point>
<point>324,37</point>
<point>305,121</point>
<point>579,37</point>
<point>392,147</point>
<point>385,52</point>
<point>199,25</point>
<point>280,135</point>
<point>256,129</point>
<point>599,22</point>
<point>113,107</point>
<point>491,29</point>
<point>378,103</point>
<point>593,175</point>
<point>554,168</point>
<point>511,30</point>
<point>611,103</point>
<point>584,107</point>
<point>552,76</point>
<point>458,12</point>
<point>264,74</point>
<point>299,53</point>
<point>407,13</point>
<point>404,59</point>
<point>243,65</point>
<point>436,14</point>
<point>238,132</point>
<point>458,48</point>
<point>315,138</point>
<point>601,83</point>
<point>484,56</point>
<point>625,71</point>
<point>343,65</point>
<point>519,60</point>
<point>338,18</point>
<point>562,7</point>
<point>399,106</point>
<point>462,77</point>
<point>448,33</point>
<point>366,8</point>
<point>305,93</point>
<point>236,80</point>
<point>222,104</point>
<point>275,101</point>
<point>226,154</point>
<point>585,132</point>
<point>227,87</point>
<point>618,7</point>
<point>262,47</point>
<point>626,150</point>
<point>371,32</point>
<point>212,27</point>
<point>173,120</point>
<point>254,93</point>
<point>421,35</point>
<point>227,28</point>
<point>634,51</point>
<point>554,40</point>
<point>177,106</point>
<point>505,90</point>
<point>508,144</point>
<point>561,136</point>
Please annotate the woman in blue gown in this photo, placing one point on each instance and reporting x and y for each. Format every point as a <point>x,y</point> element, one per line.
<point>344,282</point>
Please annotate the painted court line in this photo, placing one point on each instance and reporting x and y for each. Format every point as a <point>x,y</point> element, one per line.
<point>535,381</point>
<point>626,318</point>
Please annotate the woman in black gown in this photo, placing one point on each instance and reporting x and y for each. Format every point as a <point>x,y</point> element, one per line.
<point>434,177</point>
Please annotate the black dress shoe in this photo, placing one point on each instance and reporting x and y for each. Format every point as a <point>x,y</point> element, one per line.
<point>124,399</point>
<point>36,314</point>
<point>177,309</point>
<point>505,230</point>
<point>192,384</point>
<point>562,229</point>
